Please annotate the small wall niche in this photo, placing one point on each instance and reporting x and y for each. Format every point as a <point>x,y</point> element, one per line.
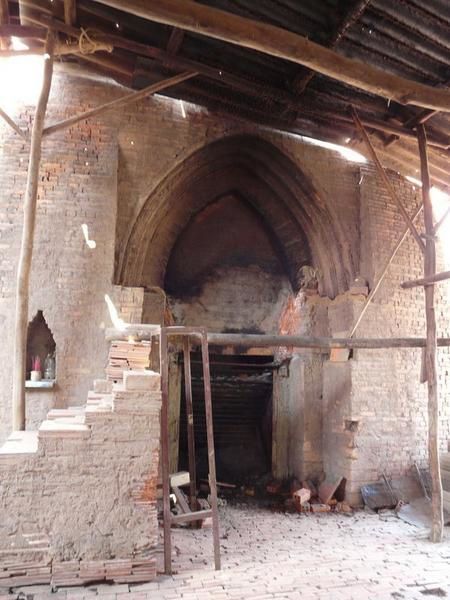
<point>40,342</point>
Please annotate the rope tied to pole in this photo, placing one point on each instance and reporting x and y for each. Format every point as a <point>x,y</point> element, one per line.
<point>88,45</point>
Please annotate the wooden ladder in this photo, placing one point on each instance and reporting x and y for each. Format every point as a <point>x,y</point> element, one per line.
<point>187,333</point>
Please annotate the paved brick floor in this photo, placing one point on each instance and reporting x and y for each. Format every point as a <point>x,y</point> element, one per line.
<point>269,555</point>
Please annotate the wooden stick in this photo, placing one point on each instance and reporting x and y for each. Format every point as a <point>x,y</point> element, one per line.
<point>386,180</point>
<point>441,221</point>
<point>272,40</point>
<point>211,453</point>
<point>12,124</point>
<point>437,526</point>
<point>127,99</point>
<point>388,263</point>
<point>430,280</point>
<point>190,423</point>
<point>4,20</point>
<point>284,341</point>
<point>26,249</point>
<point>164,365</point>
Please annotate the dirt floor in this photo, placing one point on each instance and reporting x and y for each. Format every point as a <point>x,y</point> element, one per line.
<point>270,554</point>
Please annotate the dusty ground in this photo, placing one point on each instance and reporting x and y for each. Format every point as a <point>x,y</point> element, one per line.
<point>269,555</point>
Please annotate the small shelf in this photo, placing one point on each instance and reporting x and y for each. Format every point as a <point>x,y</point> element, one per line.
<point>43,384</point>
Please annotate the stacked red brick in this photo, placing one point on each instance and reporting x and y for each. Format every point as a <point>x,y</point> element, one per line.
<point>127,356</point>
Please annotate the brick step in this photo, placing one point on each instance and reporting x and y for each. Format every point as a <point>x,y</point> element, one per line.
<point>71,411</point>
<point>64,429</point>
<point>19,445</point>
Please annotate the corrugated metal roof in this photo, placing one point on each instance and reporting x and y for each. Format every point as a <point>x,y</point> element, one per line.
<point>406,37</point>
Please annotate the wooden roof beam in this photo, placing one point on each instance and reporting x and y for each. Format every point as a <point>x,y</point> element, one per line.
<point>175,40</point>
<point>70,12</point>
<point>353,15</point>
<point>205,20</point>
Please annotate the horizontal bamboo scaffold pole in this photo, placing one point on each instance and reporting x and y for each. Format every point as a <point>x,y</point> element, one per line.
<point>426,280</point>
<point>275,341</point>
<point>127,99</point>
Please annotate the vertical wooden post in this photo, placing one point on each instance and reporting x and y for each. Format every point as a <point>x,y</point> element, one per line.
<point>164,362</point>
<point>431,346</point>
<point>190,423</point>
<point>211,453</point>
<point>26,250</point>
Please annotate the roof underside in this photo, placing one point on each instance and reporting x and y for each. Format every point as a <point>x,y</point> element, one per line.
<point>410,38</point>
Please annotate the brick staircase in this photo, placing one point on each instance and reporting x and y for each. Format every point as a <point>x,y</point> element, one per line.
<point>78,496</point>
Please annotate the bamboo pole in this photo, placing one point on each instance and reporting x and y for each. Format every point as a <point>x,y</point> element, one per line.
<point>142,332</point>
<point>437,525</point>
<point>26,249</point>
<point>275,41</point>
<point>12,124</point>
<point>431,279</point>
<point>388,263</point>
<point>385,179</point>
<point>127,99</point>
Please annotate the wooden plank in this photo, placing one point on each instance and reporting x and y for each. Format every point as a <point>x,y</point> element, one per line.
<point>211,452</point>
<point>164,362</point>
<point>430,280</point>
<point>275,41</point>
<point>4,20</point>
<point>181,499</point>
<point>437,526</point>
<point>190,422</point>
<point>386,180</point>
<point>26,248</point>
<point>124,100</point>
<point>197,515</point>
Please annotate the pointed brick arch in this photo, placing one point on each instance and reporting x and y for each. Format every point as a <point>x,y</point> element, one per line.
<point>259,172</point>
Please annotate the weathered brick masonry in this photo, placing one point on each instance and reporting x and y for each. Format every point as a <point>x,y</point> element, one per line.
<point>121,174</point>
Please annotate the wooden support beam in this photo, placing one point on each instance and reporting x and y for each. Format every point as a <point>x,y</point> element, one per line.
<point>70,12</point>
<point>353,15</point>
<point>175,40</point>
<point>437,526</point>
<point>252,88</point>
<point>256,35</point>
<point>4,20</point>
<point>142,332</point>
<point>12,124</point>
<point>430,280</point>
<point>190,423</point>
<point>386,180</point>
<point>124,100</point>
<point>23,31</point>
<point>26,249</point>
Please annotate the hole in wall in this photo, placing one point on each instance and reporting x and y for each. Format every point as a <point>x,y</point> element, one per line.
<point>40,343</point>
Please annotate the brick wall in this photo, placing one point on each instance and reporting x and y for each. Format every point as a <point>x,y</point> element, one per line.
<point>103,171</point>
